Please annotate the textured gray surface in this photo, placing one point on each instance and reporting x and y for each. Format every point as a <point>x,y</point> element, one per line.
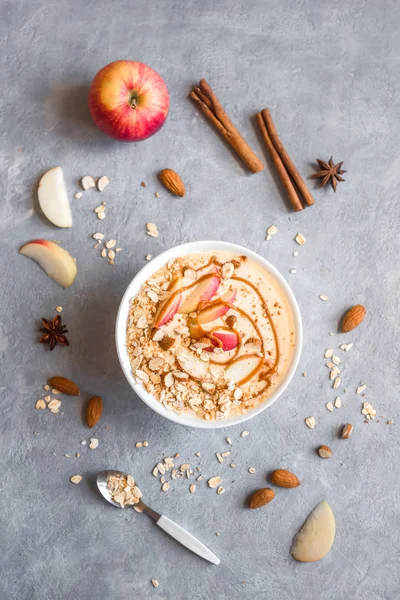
<point>329,72</point>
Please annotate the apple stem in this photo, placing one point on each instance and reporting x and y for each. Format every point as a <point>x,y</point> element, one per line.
<point>134,103</point>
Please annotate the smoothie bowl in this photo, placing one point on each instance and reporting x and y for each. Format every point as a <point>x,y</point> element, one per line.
<point>208,334</point>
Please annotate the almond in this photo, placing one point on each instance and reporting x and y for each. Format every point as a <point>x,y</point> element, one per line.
<point>283,478</point>
<point>231,321</point>
<point>346,431</point>
<point>352,318</point>
<point>261,497</point>
<point>324,452</point>
<point>65,386</point>
<point>167,342</point>
<point>93,411</point>
<point>172,182</point>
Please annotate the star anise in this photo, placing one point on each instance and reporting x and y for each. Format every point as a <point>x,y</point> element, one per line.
<point>54,332</point>
<point>329,173</point>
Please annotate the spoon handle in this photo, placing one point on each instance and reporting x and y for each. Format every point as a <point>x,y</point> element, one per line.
<point>187,539</point>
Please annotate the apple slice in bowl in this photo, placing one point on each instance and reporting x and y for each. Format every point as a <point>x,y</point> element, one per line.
<point>225,339</point>
<point>243,368</point>
<point>203,292</point>
<point>217,309</point>
<point>168,310</point>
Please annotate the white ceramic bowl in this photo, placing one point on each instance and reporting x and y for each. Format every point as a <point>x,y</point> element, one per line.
<point>133,289</point>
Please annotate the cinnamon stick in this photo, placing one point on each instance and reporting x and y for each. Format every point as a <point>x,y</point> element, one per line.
<point>211,108</point>
<point>290,167</point>
<point>280,167</point>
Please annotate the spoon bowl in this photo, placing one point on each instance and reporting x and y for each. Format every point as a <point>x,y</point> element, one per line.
<point>101,481</point>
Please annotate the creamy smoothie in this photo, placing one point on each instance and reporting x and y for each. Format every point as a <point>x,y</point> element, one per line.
<point>211,334</point>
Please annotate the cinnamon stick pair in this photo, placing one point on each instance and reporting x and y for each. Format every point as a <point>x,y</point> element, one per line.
<point>211,108</point>
<point>287,172</point>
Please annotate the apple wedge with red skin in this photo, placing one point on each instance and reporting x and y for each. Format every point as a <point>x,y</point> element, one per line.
<point>217,309</point>
<point>241,368</point>
<point>203,292</point>
<point>167,310</point>
<point>57,262</point>
<point>228,340</point>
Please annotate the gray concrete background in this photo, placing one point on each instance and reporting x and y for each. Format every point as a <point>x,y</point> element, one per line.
<point>329,71</point>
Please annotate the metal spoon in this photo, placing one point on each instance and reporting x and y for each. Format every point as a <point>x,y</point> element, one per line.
<point>173,529</point>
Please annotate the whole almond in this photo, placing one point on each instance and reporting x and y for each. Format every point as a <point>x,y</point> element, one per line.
<point>283,478</point>
<point>261,497</point>
<point>172,182</point>
<point>65,386</point>
<point>324,452</point>
<point>93,411</point>
<point>346,431</point>
<point>352,318</point>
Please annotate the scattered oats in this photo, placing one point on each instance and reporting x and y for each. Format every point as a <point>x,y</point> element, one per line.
<point>55,392</point>
<point>77,455</point>
<point>59,309</point>
<point>139,444</point>
<point>151,230</point>
<point>165,487</point>
<point>94,442</point>
<point>225,454</point>
<point>333,374</point>
<point>348,347</point>
<point>268,237</point>
<point>87,182</point>
<point>244,434</point>
<point>83,443</point>
<point>304,373</point>
<point>328,353</point>
<point>102,183</point>
<point>197,454</point>
<point>155,583</point>
<point>293,271</point>
<point>99,209</point>
<point>138,509</point>
<point>228,441</point>
<point>200,478</point>
<point>368,410</point>
<point>323,297</point>
<point>232,466</point>
<point>336,383</point>
<point>338,402</point>
<point>162,479</point>
<point>192,488</point>
<point>104,253</point>
<point>190,274</point>
<point>218,534</point>
<point>40,404</point>
<point>54,410</point>
<point>111,255</point>
<point>46,387</point>
<point>145,443</point>
<point>47,398</point>
<point>220,490</point>
<point>78,195</point>
<point>390,422</point>
<point>227,270</point>
<point>101,215</point>
<point>310,422</point>
<point>110,244</point>
<point>300,239</point>
<point>118,249</point>
<point>336,360</point>
<point>252,470</point>
<point>361,388</point>
<point>329,406</point>
<point>208,387</point>
<point>54,404</point>
<point>272,230</point>
<point>155,472</point>
<point>148,257</point>
<point>214,481</point>
<point>161,468</point>
<point>184,467</point>
<point>157,195</point>
<point>219,457</point>
<point>76,479</point>
<point>295,252</point>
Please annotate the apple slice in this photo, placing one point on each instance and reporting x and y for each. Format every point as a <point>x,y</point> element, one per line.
<point>203,292</point>
<point>243,367</point>
<point>218,308</point>
<point>228,339</point>
<point>195,330</point>
<point>192,364</point>
<point>316,537</point>
<point>167,310</point>
<point>53,198</point>
<point>57,262</point>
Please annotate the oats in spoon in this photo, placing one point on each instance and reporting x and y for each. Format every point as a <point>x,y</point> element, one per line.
<point>123,490</point>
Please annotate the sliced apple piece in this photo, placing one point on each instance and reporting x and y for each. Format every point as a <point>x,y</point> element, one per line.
<point>242,368</point>
<point>228,339</point>
<point>217,309</point>
<point>192,364</point>
<point>57,262</point>
<point>167,310</point>
<point>317,535</point>
<point>203,292</point>
<point>53,198</point>
<point>175,284</point>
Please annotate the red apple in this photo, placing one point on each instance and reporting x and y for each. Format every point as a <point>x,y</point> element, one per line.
<point>227,340</point>
<point>128,100</point>
<point>167,310</point>
<point>203,292</point>
<point>217,308</point>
